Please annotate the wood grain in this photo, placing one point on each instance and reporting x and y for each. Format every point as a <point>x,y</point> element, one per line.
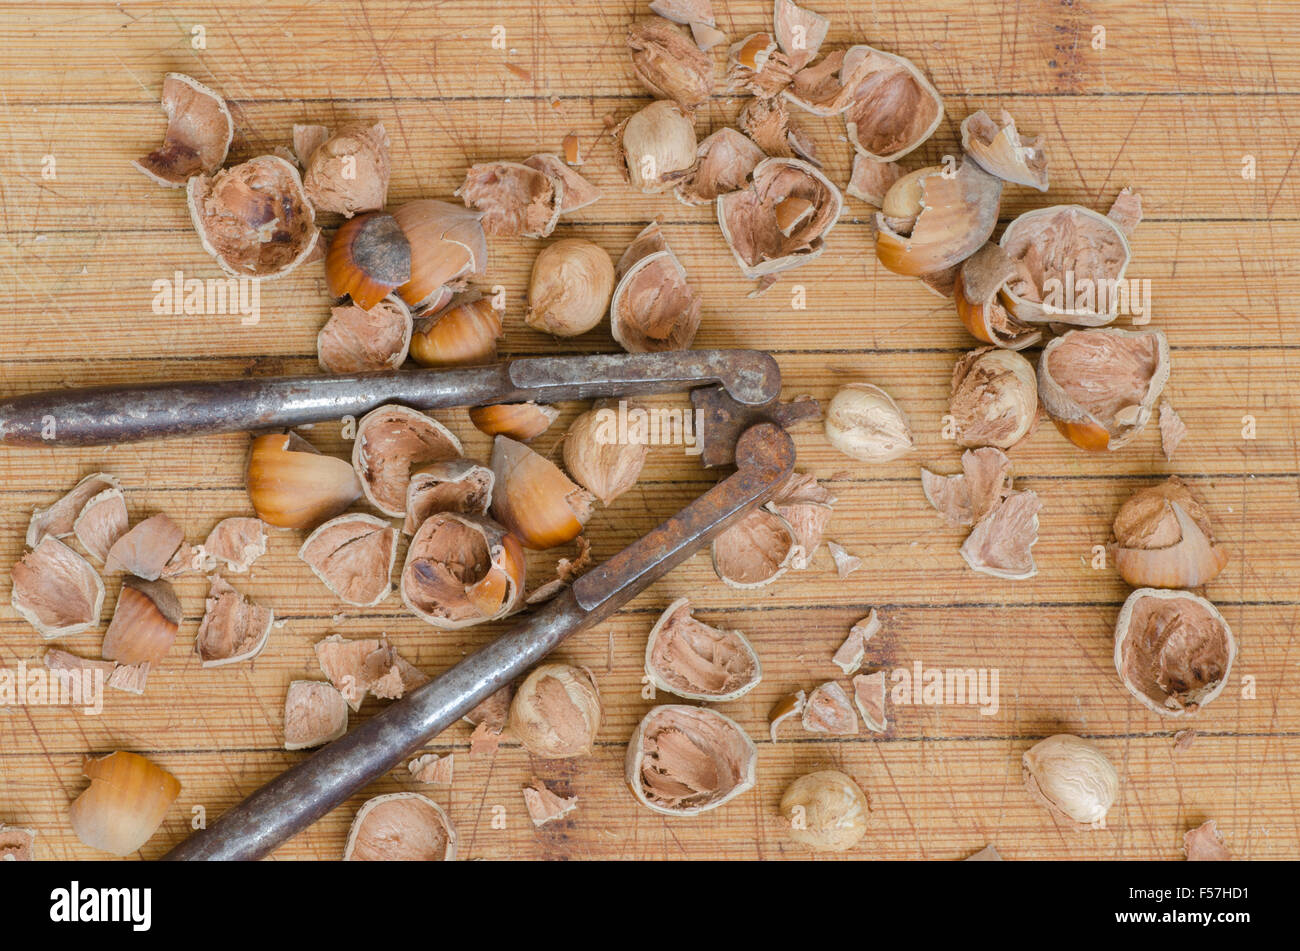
<point>1181,93</point>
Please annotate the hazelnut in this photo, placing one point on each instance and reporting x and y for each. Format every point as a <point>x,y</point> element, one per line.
<point>534,499</point>
<point>124,804</point>
<point>368,257</point>
<point>1163,539</point>
<point>401,827</point>
<point>994,398</point>
<point>864,422</point>
<point>465,333</point>
<point>348,172</point>
<point>462,570</point>
<point>556,711</point>
<point>827,811</point>
<point>653,307</point>
<point>669,64</point>
<point>598,461</point>
<point>695,661</point>
<point>291,485</point>
<point>522,421</point>
<point>570,288</point>
<point>1072,778</point>
<point>684,760</point>
<point>390,442</point>
<point>658,146</point>
<point>448,246</point>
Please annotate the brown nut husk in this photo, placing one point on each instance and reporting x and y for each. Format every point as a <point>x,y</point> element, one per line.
<point>751,226</point>
<point>755,550</point>
<point>1100,386</point>
<point>596,458</point>
<point>954,217</point>
<point>146,549</point>
<point>653,307</point>
<point>198,136</point>
<point>658,146</point>
<point>367,666</point>
<point>1001,544</point>
<point>999,149</point>
<point>56,590</point>
<point>826,810</point>
<point>391,441</point>
<point>894,107</point>
<point>1205,844</point>
<point>863,422</point>
<point>870,180</point>
<point>807,506</point>
<point>1173,650</point>
<point>401,827</point>
<point>515,200</point>
<point>532,498</point>
<point>570,287</point>
<point>771,128</point>
<point>17,845</point>
<point>1070,262</point>
<point>790,706</point>
<point>522,421</point>
<point>977,293</point>
<point>448,246</point>
<point>368,258</point>
<point>556,711</point>
<point>724,161</point>
<point>125,803</point>
<point>465,333</point>
<point>314,714</point>
<point>462,570</point>
<point>669,64</point>
<point>575,191</point>
<point>354,340</point>
<point>291,485</point>
<point>145,621</point>
<point>828,710</point>
<point>59,519</point>
<point>696,661</point>
<point>349,171</point>
<point>683,760</point>
<point>757,66</point>
<point>994,398</point>
<point>254,219</point>
<point>965,499</point>
<point>353,556</point>
<point>233,628</point>
<point>1072,778</point>
<point>236,543</point>
<point>452,485</point>
<point>101,522</point>
<point>1164,539</point>
<point>799,32</point>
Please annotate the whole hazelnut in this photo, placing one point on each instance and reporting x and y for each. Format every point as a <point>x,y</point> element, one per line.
<point>658,146</point>
<point>556,711</point>
<point>994,398</point>
<point>864,422</point>
<point>570,288</point>
<point>1072,778</point>
<point>826,810</point>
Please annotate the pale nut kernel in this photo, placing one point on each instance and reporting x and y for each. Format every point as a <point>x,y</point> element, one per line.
<point>826,810</point>
<point>570,288</point>
<point>864,422</point>
<point>1072,778</point>
<point>994,398</point>
<point>556,712</point>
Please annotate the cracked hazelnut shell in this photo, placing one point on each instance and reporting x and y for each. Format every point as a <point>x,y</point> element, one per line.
<point>695,661</point>
<point>401,827</point>
<point>1173,650</point>
<point>462,570</point>
<point>292,485</point>
<point>535,500</point>
<point>59,518</point>
<point>684,760</point>
<point>254,218</point>
<point>465,333</point>
<point>349,171</point>
<point>653,307</point>
<point>598,461</point>
<point>515,199</point>
<point>448,246</point>
<point>353,556</point>
<point>724,161</point>
<point>807,506</point>
<point>556,711</point>
<point>799,32</point>
<point>994,398</point>
<point>658,146</point>
<point>756,65</point>
<point>669,64</point>
<point>894,107</point>
<point>826,810</point>
<point>56,590</point>
<point>828,710</point>
<point>977,293</point>
<point>1001,543</point>
<point>355,340</point>
<point>16,844</point>
<point>451,485</point>
<point>391,441</point>
<point>315,713</point>
<point>1000,150</point>
<point>233,628</point>
<point>756,550</point>
<point>751,226</point>
<point>145,621</point>
<point>199,132</point>
<point>574,190</point>
<point>864,422</point>
<point>236,543</point>
<point>368,258</point>
<point>521,421</point>
<point>146,550</point>
<point>1100,386</point>
<point>101,522</point>
<point>124,804</point>
<point>1164,539</point>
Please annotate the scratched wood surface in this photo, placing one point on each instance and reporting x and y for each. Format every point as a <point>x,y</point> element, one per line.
<point>1181,93</point>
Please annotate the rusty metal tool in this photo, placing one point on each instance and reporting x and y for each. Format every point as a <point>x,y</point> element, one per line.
<point>108,415</point>
<point>763,454</point>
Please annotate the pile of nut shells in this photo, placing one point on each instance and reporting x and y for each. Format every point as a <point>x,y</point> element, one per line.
<point>405,286</point>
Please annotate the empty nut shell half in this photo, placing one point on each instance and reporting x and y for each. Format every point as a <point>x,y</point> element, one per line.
<point>751,222</point>
<point>994,398</point>
<point>669,64</point>
<point>1070,262</point>
<point>1072,778</point>
<point>355,340</point>
<point>1173,650</point>
<point>147,549</point>
<point>291,485</point>
<point>955,215</point>
<point>756,550</point>
<point>101,522</point>
<point>653,307</point>
<point>199,132</point>
<point>695,661</point>
<point>465,333</point>
<point>556,711</point>
<point>1163,539</point>
<point>894,107</point>
<point>315,713</point>
<point>145,621</point>
<point>799,32</point>
<point>59,518</point>
<point>56,590</point>
<point>448,246</point>
<point>515,200</point>
<point>807,505</point>
<point>401,827</point>
<point>724,161</point>
<point>391,441</point>
<point>236,543</point>
<point>353,555</point>
<point>998,148</point>
<point>977,293</point>
<point>254,218</point>
<point>452,485</point>
<point>348,172</point>
<point>575,191</point>
<point>535,500</point>
<point>658,146</point>
<point>233,628</point>
<point>1101,386</point>
<point>462,570</point>
<point>683,760</point>
<point>597,459</point>
<point>367,259</point>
